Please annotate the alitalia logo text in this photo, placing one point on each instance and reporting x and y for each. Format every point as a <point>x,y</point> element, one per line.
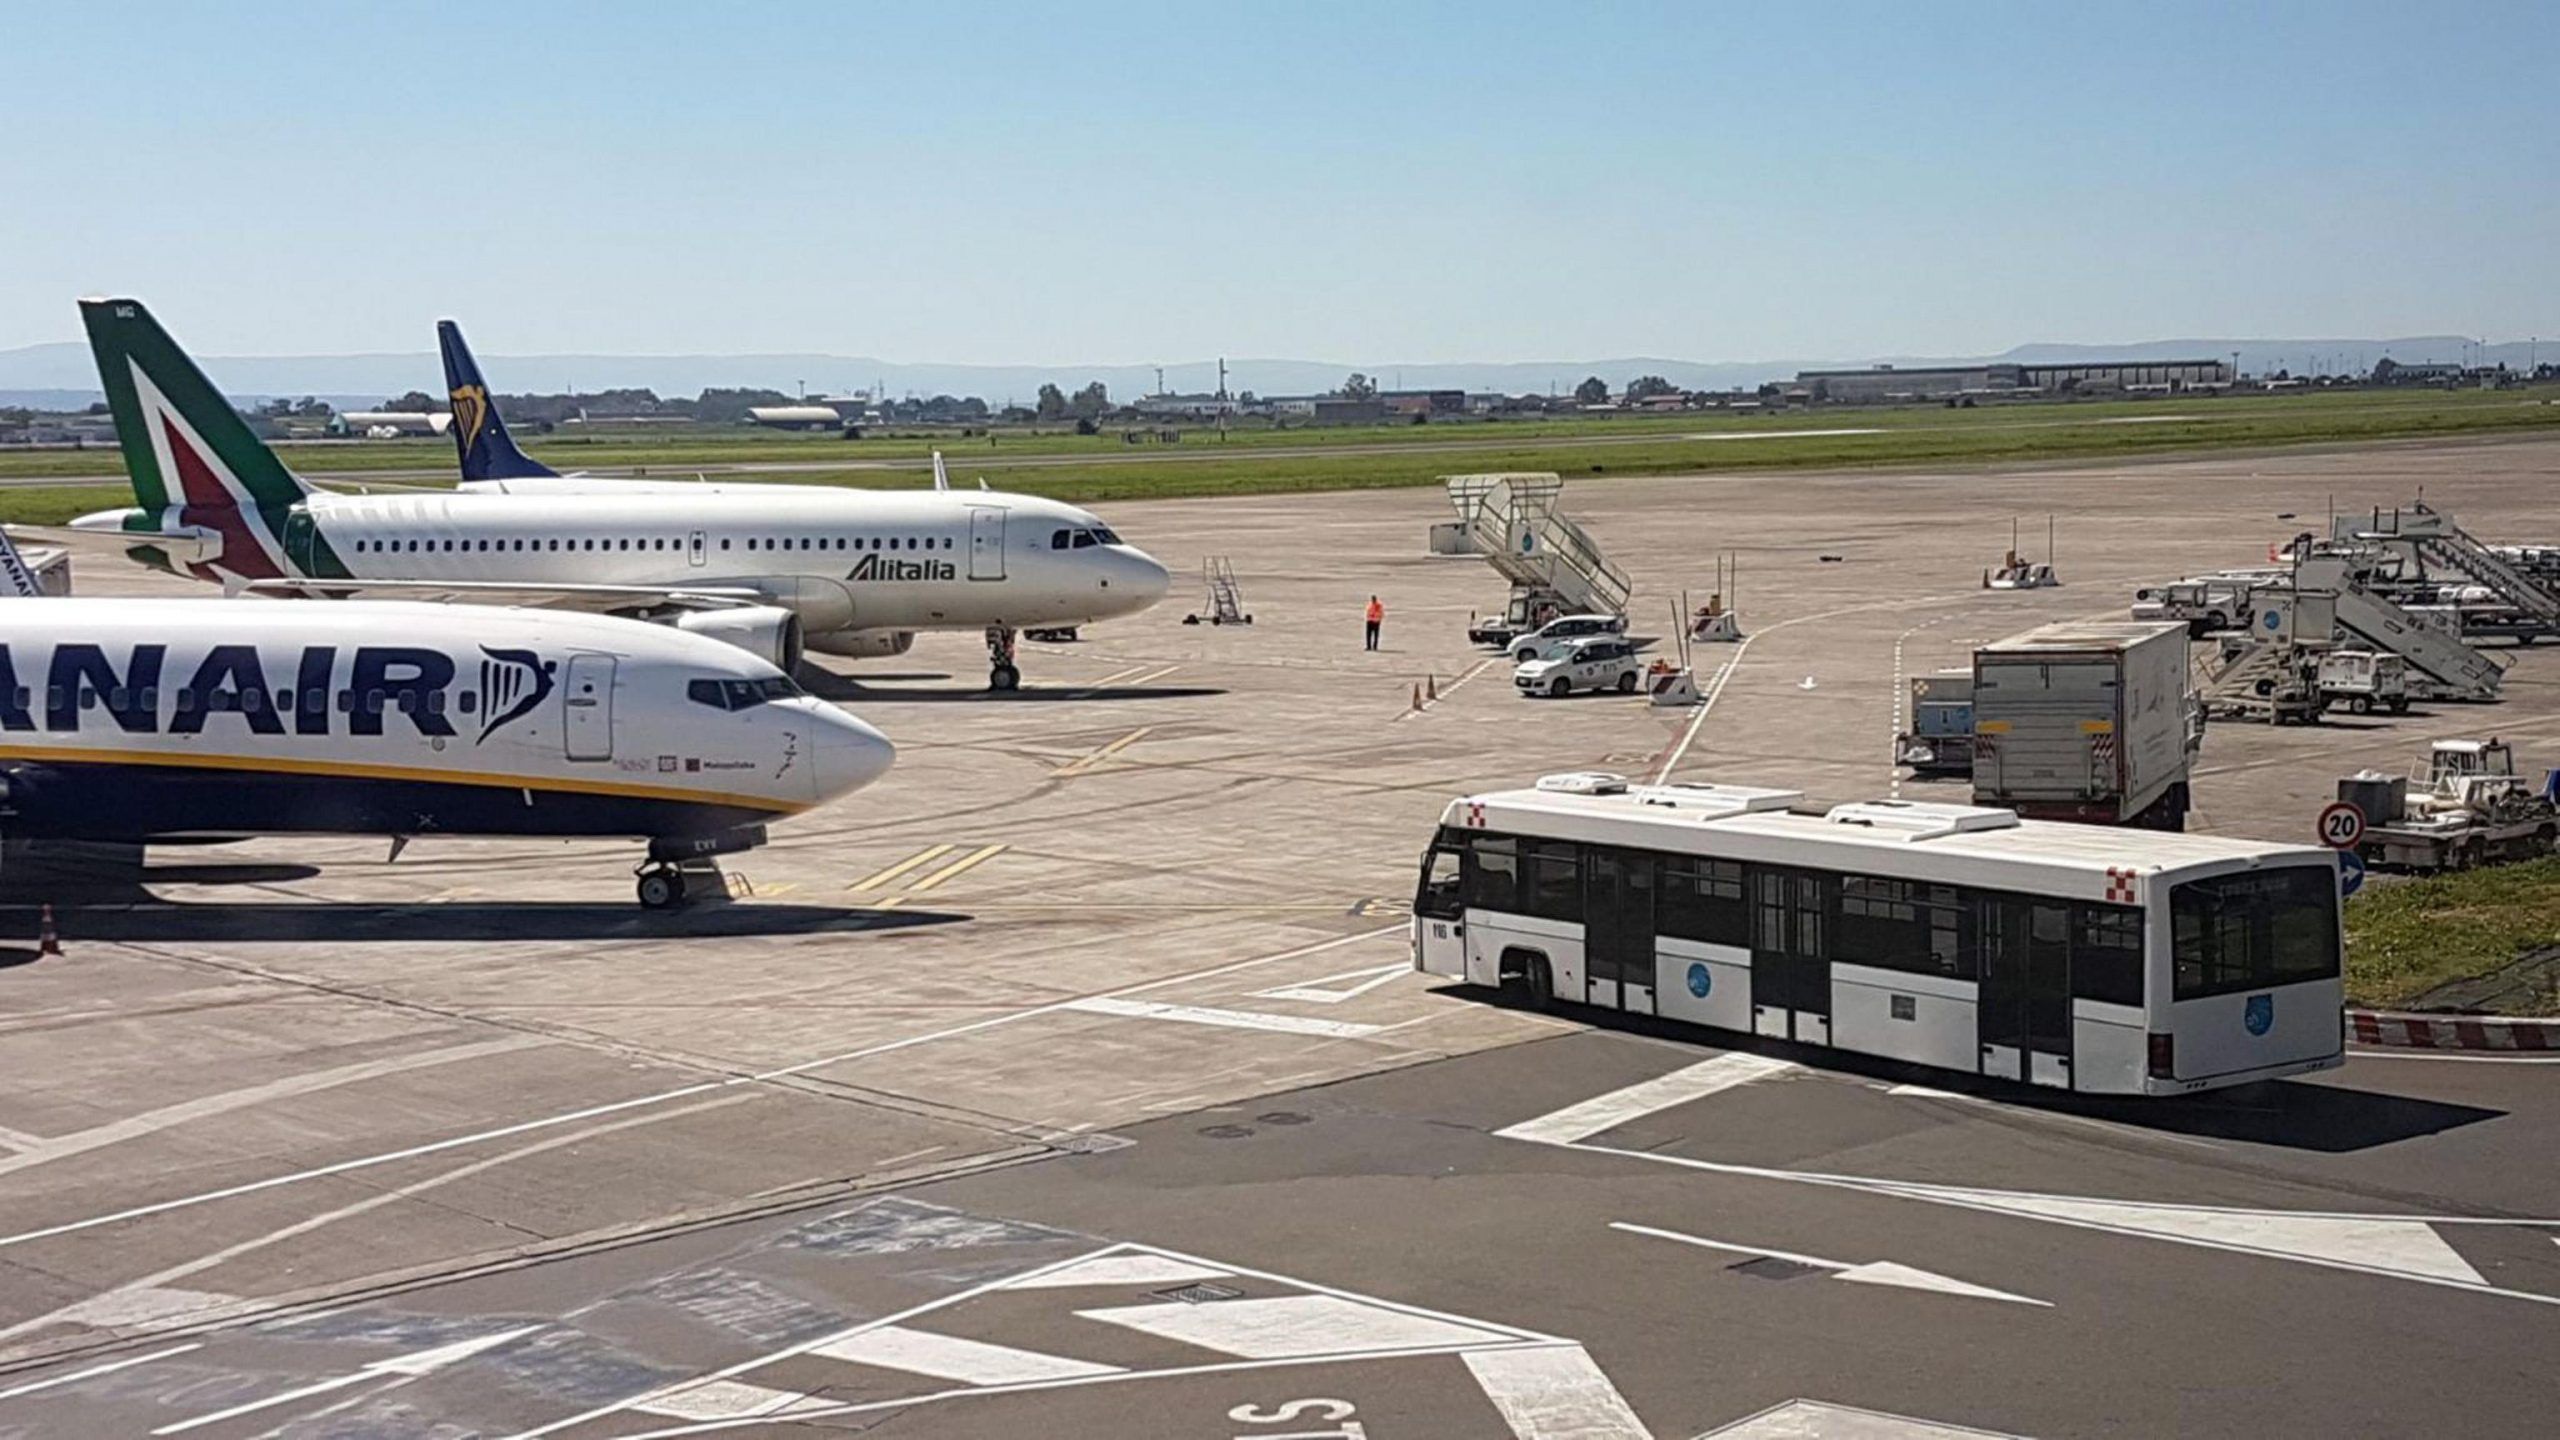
<point>885,567</point>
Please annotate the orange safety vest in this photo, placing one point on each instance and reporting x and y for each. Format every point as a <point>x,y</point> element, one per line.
<point>1377,612</point>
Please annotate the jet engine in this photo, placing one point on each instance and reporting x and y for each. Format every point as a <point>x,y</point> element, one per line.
<point>768,632</point>
<point>863,644</point>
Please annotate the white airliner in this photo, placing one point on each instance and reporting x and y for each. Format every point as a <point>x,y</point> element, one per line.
<point>766,568</point>
<point>142,720</point>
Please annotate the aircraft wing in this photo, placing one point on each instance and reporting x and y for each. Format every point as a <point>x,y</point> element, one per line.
<point>594,599</point>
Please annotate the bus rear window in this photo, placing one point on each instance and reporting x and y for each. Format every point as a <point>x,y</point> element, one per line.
<point>2252,932</point>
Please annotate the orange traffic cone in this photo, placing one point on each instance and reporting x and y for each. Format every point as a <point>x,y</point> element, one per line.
<point>47,942</point>
<point>1417,697</point>
<point>1431,687</point>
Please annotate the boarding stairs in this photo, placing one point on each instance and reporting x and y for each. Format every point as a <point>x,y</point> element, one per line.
<point>2252,684</point>
<point>1225,598</point>
<point>2438,541</point>
<point>1512,520</point>
<point>2435,652</point>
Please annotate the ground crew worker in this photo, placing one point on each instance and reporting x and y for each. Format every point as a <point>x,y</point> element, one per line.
<point>1377,616</point>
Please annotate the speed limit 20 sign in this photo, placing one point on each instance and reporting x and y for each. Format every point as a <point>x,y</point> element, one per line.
<point>2341,825</point>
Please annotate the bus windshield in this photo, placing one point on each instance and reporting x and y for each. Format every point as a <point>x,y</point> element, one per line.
<point>2254,931</point>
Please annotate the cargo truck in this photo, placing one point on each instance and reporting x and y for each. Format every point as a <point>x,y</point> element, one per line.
<point>1939,743</point>
<point>2088,721</point>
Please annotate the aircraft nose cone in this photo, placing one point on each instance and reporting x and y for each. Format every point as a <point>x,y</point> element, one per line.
<point>848,753</point>
<point>1141,580</point>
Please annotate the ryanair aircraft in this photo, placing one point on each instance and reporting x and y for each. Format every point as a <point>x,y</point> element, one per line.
<point>144,720</point>
<point>767,568</point>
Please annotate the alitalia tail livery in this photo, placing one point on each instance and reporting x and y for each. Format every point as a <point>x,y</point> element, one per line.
<point>763,567</point>
<point>143,720</point>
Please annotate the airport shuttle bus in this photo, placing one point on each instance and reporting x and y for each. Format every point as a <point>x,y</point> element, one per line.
<point>2078,957</point>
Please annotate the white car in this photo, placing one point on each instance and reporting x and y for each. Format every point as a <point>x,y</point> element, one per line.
<point>1591,662</point>
<point>1543,642</point>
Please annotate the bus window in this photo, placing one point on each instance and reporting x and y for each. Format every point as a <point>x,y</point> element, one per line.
<point>2106,953</point>
<point>1554,889</point>
<point>1490,880</point>
<point>1438,897</point>
<point>1702,899</point>
<point>2250,932</point>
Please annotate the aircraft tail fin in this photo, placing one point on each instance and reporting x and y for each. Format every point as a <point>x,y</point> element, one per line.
<point>16,578</point>
<point>480,435</point>
<point>183,443</point>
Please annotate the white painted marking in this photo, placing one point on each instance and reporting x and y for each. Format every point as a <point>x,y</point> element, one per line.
<point>726,1400</point>
<point>949,1357</point>
<point>2400,1247</point>
<point>1314,993</point>
<point>1887,1272</point>
<point>1607,1112</point>
<point>152,1121</point>
<point>1874,1272</point>
<point>2368,1052</point>
<point>1230,1019</point>
<point>109,1368</point>
<point>1814,1420</point>
<point>1294,1327</point>
<point>1133,1269</point>
<point>1554,1393</point>
<point>423,1362</point>
<point>571,1117</point>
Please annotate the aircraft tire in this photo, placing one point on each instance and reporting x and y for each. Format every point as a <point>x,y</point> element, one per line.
<point>661,889</point>
<point>1004,677</point>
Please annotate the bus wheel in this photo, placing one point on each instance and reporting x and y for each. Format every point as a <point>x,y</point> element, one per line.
<point>1542,983</point>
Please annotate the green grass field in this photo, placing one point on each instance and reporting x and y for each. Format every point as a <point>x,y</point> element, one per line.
<point>1103,468</point>
<point>2412,937</point>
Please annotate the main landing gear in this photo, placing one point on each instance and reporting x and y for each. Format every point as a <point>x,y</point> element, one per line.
<point>661,887</point>
<point>1002,673</point>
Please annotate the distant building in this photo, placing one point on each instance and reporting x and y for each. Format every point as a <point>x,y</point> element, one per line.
<point>1186,407</point>
<point>2387,371</point>
<point>1884,383</point>
<point>1424,402</point>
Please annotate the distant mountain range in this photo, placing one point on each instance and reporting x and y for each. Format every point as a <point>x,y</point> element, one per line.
<point>61,375</point>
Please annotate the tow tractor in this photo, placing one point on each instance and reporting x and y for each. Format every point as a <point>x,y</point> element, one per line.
<point>1530,608</point>
<point>2364,681</point>
<point>2471,809</point>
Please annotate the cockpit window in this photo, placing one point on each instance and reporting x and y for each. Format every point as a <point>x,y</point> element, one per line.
<point>1084,540</point>
<point>1104,534</point>
<point>1058,539</point>
<point>741,694</point>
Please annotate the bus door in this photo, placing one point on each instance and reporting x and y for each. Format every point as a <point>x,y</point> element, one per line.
<point>1790,971</point>
<point>2025,1009</point>
<point>1617,929</point>
<point>1439,911</point>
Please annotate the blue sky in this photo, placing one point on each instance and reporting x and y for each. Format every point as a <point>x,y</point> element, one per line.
<point>1370,184</point>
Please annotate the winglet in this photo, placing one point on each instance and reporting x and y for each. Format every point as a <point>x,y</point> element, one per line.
<point>480,435</point>
<point>15,578</point>
<point>941,477</point>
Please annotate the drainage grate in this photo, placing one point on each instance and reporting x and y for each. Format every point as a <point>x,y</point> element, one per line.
<point>1227,1132</point>
<point>1282,1117</point>
<point>1770,1267</point>
<point>1200,1294</point>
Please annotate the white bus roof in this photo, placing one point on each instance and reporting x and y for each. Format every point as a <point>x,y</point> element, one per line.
<point>1901,838</point>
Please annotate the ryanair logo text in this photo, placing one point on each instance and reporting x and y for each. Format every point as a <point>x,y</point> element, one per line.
<point>233,686</point>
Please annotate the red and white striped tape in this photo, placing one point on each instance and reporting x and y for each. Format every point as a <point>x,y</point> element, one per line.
<point>2454,1032</point>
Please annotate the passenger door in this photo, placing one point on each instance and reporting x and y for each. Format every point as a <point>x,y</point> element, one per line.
<point>2025,1009</point>
<point>588,700</point>
<point>1617,929</point>
<point>986,542</point>
<point>1790,970</point>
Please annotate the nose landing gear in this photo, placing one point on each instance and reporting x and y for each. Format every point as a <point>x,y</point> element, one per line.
<point>661,887</point>
<point>1002,673</point>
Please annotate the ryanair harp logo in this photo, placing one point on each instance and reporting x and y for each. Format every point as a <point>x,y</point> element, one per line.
<point>876,566</point>
<point>470,412</point>
<point>512,683</point>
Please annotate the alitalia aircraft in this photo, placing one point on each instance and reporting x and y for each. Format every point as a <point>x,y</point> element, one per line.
<point>766,568</point>
<point>156,720</point>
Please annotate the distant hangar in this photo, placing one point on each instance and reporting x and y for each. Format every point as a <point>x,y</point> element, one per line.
<point>1881,383</point>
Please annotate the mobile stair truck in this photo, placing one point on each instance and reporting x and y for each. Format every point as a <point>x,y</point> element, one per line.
<point>2088,721</point>
<point>1554,566</point>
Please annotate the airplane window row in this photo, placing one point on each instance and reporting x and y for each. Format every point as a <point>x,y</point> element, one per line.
<point>739,694</point>
<point>1082,539</point>
<point>657,543</point>
<point>251,702</point>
